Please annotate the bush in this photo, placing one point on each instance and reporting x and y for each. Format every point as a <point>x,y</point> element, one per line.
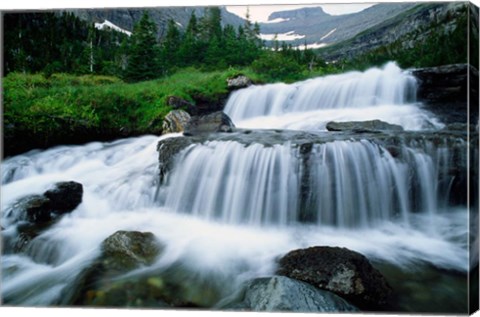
<point>276,67</point>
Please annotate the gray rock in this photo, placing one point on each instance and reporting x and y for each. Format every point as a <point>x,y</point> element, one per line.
<point>363,126</point>
<point>211,123</point>
<point>237,82</point>
<point>175,121</point>
<point>167,150</point>
<point>346,273</point>
<point>444,91</point>
<point>279,293</point>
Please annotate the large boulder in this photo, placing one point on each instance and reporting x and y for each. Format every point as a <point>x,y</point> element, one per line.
<point>238,82</point>
<point>280,293</point>
<point>62,198</point>
<point>175,121</point>
<point>211,123</point>
<point>112,280</point>
<point>363,126</point>
<point>34,214</point>
<point>121,253</point>
<point>347,273</point>
<point>65,196</point>
<point>126,250</point>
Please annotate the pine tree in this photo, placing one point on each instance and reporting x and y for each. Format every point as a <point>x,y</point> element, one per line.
<point>189,51</point>
<point>171,45</point>
<point>143,58</point>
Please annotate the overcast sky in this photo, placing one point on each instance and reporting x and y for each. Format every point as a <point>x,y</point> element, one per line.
<point>47,4</point>
<point>260,13</point>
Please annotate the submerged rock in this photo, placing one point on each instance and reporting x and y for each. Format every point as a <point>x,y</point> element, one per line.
<point>339,270</point>
<point>363,126</point>
<point>211,123</point>
<point>126,250</point>
<point>111,280</point>
<point>280,293</point>
<point>121,253</point>
<point>175,121</point>
<point>36,213</point>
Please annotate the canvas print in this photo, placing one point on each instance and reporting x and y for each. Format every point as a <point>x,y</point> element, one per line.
<point>317,158</point>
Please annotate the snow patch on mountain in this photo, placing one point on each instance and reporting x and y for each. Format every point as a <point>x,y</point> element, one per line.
<point>109,25</point>
<point>328,34</point>
<point>289,36</point>
<point>277,20</point>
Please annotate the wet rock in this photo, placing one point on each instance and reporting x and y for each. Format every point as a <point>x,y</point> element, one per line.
<point>167,151</point>
<point>341,271</point>
<point>211,123</point>
<point>34,214</point>
<point>363,126</point>
<point>444,91</point>
<point>175,121</point>
<point>34,208</point>
<point>126,250</point>
<point>122,252</point>
<point>238,82</point>
<point>458,126</point>
<point>280,293</point>
<point>111,282</point>
<point>65,196</point>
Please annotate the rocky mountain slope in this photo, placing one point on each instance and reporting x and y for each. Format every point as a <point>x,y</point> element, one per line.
<point>319,27</point>
<point>403,31</point>
<point>126,18</point>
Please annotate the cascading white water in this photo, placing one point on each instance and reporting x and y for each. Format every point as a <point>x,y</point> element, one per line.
<point>350,184</point>
<point>120,193</point>
<point>229,210</point>
<point>387,94</point>
<point>237,184</point>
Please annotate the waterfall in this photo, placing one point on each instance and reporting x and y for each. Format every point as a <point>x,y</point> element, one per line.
<point>386,93</point>
<point>341,183</point>
<point>230,207</point>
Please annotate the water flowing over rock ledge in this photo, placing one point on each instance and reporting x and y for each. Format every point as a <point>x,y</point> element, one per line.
<point>452,136</point>
<point>344,179</point>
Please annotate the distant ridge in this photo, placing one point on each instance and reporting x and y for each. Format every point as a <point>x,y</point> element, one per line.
<point>314,23</point>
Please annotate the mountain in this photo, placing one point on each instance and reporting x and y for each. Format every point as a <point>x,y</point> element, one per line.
<point>413,29</point>
<point>317,26</point>
<point>126,18</point>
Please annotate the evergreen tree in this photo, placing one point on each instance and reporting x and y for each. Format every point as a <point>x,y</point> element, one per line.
<point>171,45</point>
<point>189,50</point>
<point>143,57</point>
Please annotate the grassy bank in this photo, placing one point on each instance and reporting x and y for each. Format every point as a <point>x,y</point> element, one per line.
<point>65,109</point>
<point>39,112</point>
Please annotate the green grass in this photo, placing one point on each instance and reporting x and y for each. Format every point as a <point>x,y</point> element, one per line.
<point>37,103</point>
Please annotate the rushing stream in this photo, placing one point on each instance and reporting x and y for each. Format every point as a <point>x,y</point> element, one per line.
<point>229,210</point>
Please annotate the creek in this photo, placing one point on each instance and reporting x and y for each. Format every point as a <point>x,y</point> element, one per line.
<point>228,210</point>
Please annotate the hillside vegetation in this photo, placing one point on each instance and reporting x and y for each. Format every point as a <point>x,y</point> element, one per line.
<point>67,82</point>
